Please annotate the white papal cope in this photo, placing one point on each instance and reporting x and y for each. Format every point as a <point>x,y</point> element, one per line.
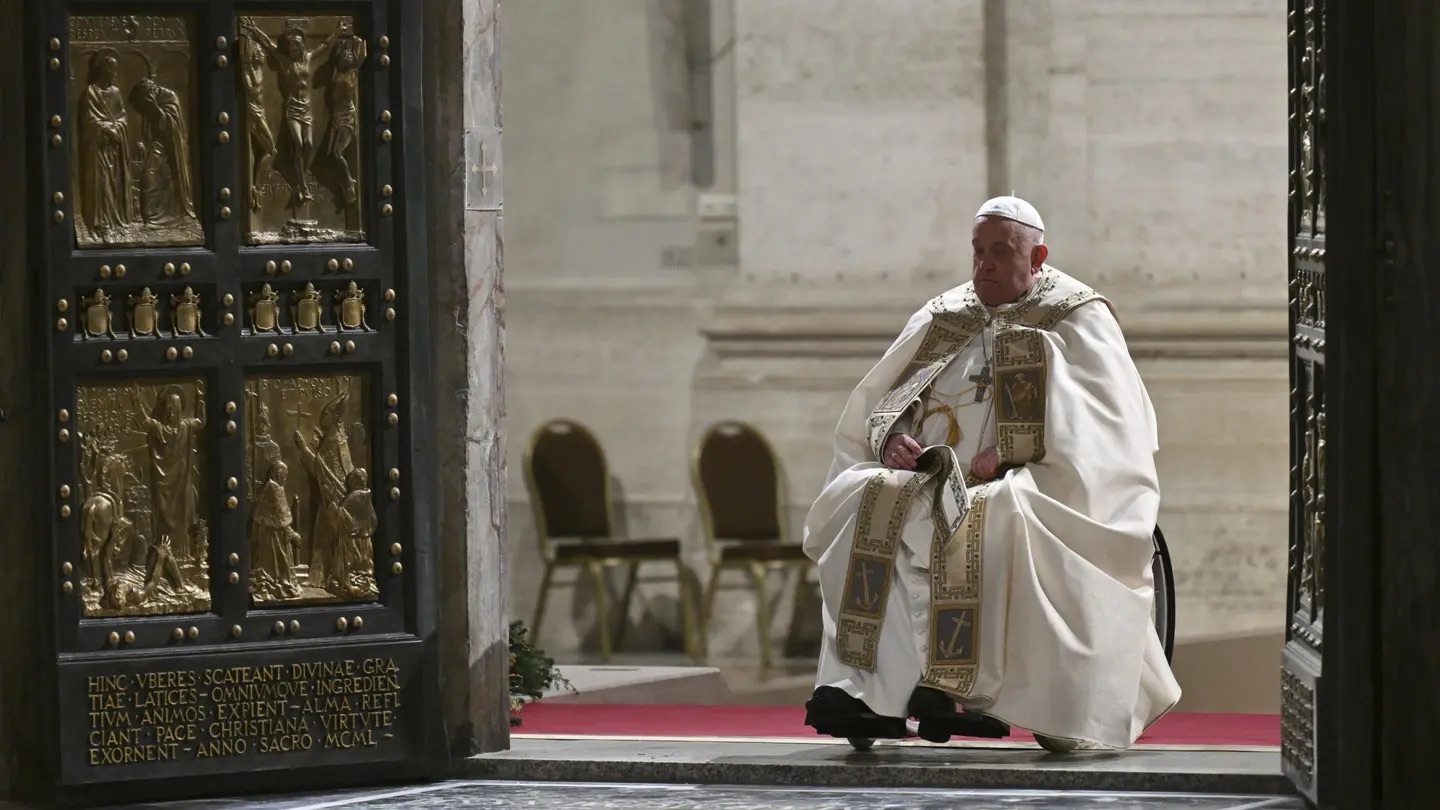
<point>1027,598</point>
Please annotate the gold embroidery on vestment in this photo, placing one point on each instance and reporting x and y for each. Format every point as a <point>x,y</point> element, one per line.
<point>954,659</point>
<point>1021,386</point>
<point>878,524</point>
<point>1020,375</point>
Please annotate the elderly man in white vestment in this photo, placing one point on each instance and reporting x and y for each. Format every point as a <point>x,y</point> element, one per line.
<point>984,537</point>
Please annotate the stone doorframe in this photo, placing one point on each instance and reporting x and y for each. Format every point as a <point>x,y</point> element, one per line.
<point>464,182</point>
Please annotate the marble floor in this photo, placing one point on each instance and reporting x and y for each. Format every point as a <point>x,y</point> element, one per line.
<point>490,795</point>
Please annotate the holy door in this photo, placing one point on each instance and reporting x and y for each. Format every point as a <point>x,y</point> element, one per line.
<point>1359,668</point>
<point>1301,667</point>
<point>231,252</point>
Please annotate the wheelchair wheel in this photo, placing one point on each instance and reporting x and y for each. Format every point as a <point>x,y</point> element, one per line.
<point>1164,594</point>
<point>1056,745</point>
<point>862,743</point>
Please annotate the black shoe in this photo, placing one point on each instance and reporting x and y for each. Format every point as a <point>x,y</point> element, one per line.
<point>927,702</point>
<point>832,712</point>
<point>940,719</point>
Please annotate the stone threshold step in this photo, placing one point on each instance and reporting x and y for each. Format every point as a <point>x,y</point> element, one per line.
<point>905,765</point>
<point>614,684</point>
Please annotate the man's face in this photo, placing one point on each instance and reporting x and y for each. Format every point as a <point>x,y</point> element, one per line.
<point>146,97</point>
<point>293,45</point>
<point>1006,260</point>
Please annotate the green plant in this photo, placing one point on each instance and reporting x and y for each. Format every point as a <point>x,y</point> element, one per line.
<point>532,672</point>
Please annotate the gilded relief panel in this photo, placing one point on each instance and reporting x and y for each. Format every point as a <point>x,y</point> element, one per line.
<point>299,85</point>
<point>143,515</point>
<point>303,309</point>
<point>1311,120</point>
<point>146,314</point>
<point>133,161</point>
<point>307,463</point>
<point>1310,582</point>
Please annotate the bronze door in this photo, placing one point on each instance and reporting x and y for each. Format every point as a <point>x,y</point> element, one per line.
<point>233,254</point>
<point>1305,602</point>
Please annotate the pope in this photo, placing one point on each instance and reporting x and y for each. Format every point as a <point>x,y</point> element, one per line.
<point>983,537</point>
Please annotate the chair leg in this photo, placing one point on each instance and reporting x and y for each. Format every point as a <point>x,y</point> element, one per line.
<point>693,647</point>
<point>602,607</point>
<point>708,609</point>
<point>762,614</point>
<point>630,578</point>
<point>545,582</point>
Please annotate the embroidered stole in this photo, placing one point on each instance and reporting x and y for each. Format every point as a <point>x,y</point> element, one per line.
<point>957,547</point>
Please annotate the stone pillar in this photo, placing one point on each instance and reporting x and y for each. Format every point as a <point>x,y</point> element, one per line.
<point>462,122</point>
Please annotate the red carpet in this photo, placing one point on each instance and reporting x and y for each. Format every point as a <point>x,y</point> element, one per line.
<point>788,721</point>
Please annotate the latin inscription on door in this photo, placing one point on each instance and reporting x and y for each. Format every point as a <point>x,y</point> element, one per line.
<point>202,718</point>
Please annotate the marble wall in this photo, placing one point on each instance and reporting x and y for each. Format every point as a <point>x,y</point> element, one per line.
<point>858,143</point>
<point>466,252</point>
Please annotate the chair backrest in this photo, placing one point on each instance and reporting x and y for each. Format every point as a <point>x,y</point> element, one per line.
<point>569,482</point>
<point>739,485</point>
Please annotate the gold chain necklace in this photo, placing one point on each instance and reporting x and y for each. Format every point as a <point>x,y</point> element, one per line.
<point>953,433</point>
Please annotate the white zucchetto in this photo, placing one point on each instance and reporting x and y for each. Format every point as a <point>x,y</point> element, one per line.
<point>1012,208</point>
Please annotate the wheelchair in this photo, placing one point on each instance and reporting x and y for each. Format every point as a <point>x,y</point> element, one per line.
<point>1163,612</point>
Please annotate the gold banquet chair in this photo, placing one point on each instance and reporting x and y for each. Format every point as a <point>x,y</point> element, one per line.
<point>569,485</point>
<point>741,492</point>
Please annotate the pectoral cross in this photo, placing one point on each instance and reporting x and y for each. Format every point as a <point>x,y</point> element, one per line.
<point>983,380</point>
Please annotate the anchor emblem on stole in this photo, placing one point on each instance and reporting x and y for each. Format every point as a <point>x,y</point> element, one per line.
<point>866,599</point>
<point>956,646</point>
